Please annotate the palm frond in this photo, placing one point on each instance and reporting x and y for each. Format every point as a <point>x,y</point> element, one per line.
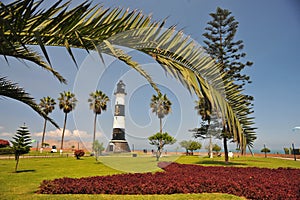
<point>12,43</point>
<point>197,71</point>
<point>13,91</point>
<point>103,29</point>
<point>20,52</point>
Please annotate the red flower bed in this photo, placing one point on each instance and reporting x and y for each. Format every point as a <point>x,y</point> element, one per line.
<point>251,182</point>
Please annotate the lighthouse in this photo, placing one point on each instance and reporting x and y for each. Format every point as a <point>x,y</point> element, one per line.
<point>118,143</point>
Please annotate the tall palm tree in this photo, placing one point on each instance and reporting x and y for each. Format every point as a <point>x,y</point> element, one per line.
<point>161,106</point>
<point>98,103</point>
<point>204,110</point>
<point>24,23</point>
<point>47,106</point>
<point>67,103</point>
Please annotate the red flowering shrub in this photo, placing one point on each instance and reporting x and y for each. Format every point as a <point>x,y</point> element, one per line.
<point>252,182</point>
<point>78,153</point>
<point>3,143</point>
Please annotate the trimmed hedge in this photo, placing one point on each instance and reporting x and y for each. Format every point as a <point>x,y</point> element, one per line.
<point>251,182</point>
<point>6,150</point>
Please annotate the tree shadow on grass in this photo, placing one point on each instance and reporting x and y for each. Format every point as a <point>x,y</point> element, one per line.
<point>25,170</point>
<point>217,162</point>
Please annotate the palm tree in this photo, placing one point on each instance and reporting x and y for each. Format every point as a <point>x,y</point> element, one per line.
<point>161,106</point>
<point>47,106</point>
<point>204,109</point>
<point>98,101</point>
<point>24,23</point>
<point>67,103</point>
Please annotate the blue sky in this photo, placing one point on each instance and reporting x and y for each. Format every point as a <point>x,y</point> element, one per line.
<point>270,30</point>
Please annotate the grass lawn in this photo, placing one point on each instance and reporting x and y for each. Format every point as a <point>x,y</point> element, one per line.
<point>241,162</point>
<point>32,171</point>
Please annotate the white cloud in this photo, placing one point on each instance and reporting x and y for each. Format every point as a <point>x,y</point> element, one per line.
<point>81,134</point>
<point>68,134</point>
<point>297,128</point>
<point>56,135</point>
<point>1,127</point>
<point>99,134</point>
<point>6,134</point>
<point>51,134</point>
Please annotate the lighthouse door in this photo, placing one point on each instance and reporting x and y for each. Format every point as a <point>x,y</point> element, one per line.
<point>111,147</point>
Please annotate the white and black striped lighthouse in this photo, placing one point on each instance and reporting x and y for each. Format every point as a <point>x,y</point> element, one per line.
<point>118,142</point>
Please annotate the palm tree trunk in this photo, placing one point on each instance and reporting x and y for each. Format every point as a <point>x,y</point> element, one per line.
<point>160,122</point>
<point>44,130</point>
<point>210,142</point>
<point>250,151</point>
<point>210,146</point>
<point>63,134</point>
<point>94,137</point>
<point>159,149</point>
<point>158,154</point>
<point>225,149</point>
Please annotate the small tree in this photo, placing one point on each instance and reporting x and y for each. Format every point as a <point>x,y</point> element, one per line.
<point>98,148</point>
<point>216,148</point>
<point>265,150</point>
<point>78,153</point>
<point>286,150</point>
<point>190,146</point>
<point>185,144</point>
<point>160,140</point>
<point>46,144</point>
<point>21,143</point>
<point>194,146</point>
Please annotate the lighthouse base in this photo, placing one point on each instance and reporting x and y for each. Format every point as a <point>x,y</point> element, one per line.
<point>118,146</point>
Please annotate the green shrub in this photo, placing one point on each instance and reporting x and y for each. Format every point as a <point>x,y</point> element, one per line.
<point>6,150</point>
<point>286,150</point>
